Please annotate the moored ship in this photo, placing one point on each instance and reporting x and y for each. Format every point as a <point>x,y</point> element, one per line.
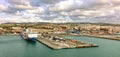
<point>29,36</point>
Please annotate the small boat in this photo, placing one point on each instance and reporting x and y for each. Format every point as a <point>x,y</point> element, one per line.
<point>29,36</point>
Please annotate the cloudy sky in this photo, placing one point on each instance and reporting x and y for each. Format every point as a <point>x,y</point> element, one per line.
<point>60,11</point>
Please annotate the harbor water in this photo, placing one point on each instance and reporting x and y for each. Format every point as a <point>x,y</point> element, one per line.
<point>15,46</point>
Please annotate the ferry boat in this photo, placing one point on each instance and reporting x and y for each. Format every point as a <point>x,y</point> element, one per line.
<point>29,36</point>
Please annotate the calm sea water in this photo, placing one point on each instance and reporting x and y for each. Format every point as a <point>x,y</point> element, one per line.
<point>15,46</point>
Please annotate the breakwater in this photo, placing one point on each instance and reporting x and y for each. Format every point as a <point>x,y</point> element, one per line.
<point>110,37</point>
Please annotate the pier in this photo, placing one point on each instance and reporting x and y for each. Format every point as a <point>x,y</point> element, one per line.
<point>63,43</point>
<point>110,37</point>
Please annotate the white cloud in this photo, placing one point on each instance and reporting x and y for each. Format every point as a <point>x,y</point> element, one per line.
<point>42,10</point>
<point>36,10</point>
<point>3,7</point>
<point>61,19</point>
<point>66,5</point>
<point>23,7</point>
<point>2,20</point>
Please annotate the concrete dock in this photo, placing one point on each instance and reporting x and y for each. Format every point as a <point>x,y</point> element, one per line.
<point>110,37</point>
<point>61,43</point>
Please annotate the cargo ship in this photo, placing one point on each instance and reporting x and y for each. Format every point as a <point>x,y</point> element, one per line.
<point>29,36</point>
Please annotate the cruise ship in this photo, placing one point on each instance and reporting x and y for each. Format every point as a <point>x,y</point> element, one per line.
<point>29,36</point>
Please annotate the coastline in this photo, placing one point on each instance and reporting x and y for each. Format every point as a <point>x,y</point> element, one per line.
<point>110,37</point>
<point>11,34</point>
<point>104,37</point>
